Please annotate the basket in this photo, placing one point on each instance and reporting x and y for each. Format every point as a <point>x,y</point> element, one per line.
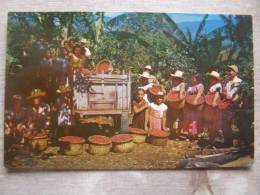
<point>159,138</point>
<point>99,145</point>
<point>190,98</point>
<point>173,101</point>
<point>71,145</point>
<point>36,143</point>
<point>122,143</point>
<point>139,135</point>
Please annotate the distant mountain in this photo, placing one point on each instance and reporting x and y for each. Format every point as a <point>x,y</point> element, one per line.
<point>193,26</point>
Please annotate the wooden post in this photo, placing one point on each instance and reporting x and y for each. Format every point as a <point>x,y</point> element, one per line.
<point>124,122</point>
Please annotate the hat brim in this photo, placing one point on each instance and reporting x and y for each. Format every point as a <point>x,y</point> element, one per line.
<point>156,93</point>
<point>175,76</point>
<point>210,75</point>
<point>140,75</point>
<point>230,67</point>
<point>36,95</point>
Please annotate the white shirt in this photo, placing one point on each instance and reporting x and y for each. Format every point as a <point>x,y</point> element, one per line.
<point>87,52</point>
<point>232,86</point>
<point>178,87</point>
<point>161,108</point>
<point>214,88</point>
<point>146,87</point>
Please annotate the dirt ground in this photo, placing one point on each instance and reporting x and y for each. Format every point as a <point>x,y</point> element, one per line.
<point>144,156</point>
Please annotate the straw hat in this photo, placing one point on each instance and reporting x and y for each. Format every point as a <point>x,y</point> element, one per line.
<point>214,74</point>
<point>156,90</point>
<point>36,93</point>
<point>17,97</point>
<point>63,89</point>
<point>145,75</point>
<point>234,68</point>
<point>148,67</point>
<point>83,40</point>
<point>178,74</point>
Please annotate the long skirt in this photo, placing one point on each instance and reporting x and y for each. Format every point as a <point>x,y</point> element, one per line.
<point>138,120</point>
<point>193,116</point>
<point>212,120</point>
<point>155,121</point>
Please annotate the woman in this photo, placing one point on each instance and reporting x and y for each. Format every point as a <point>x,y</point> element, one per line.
<point>211,113</point>
<point>175,101</point>
<point>139,107</point>
<point>194,106</point>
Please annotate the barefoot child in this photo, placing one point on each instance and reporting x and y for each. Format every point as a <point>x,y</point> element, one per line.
<point>139,107</point>
<point>155,118</point>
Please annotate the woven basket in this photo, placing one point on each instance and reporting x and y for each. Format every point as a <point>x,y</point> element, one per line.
<point>173,101</point>
<point>157,141</point>
<point>159,138</point>
<point>124,145</point>
<point>71,148</point>
<point>99,145</point>
<point>139,135</point>
<point>36,144</point>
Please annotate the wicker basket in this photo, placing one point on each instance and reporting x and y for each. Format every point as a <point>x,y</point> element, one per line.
<point>99,145</point>
<point>37,144</point>
<point>71,145</point>
<point>173,101</point>
<point>122,143</point>
<point>139,135</point>
<point>159,138</point>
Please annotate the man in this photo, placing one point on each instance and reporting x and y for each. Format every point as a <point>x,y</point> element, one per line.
<point>83,44</point>
<point>231,90</point>
<point>145,85</point>
<point>38,115</point>
<point>148,69</point>
<point>15,122</point>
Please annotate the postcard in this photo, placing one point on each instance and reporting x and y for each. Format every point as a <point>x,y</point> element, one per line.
<point>102,90</point>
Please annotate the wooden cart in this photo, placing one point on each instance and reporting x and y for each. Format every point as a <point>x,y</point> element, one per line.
<point>102,95</point>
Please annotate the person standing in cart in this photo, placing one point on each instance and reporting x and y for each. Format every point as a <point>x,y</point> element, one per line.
<point>231,98</point>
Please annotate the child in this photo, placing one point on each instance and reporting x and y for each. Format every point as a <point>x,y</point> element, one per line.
<point>193,109</point>
<point>63,111</point>
<point>177,95</point>
<point>155,118</point>
<point>139,108</point>
<point>211,112</point>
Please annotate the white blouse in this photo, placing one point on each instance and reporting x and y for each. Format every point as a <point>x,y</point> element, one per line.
<point>161,108</point>
<point>214,88</point>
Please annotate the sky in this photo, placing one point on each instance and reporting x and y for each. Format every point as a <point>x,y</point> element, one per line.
<point>177,17</point>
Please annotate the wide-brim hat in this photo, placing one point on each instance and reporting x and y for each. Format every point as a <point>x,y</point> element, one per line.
<point>148,67</point>
<point>63,89</point>
<point>145,75</point>
<point>156,90</point>
<point>178,74</point>
<point>234,68</point>
<point>17,97</point>
<point>36,93</point>
<point>83,40</point>
<point>214,74</point>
